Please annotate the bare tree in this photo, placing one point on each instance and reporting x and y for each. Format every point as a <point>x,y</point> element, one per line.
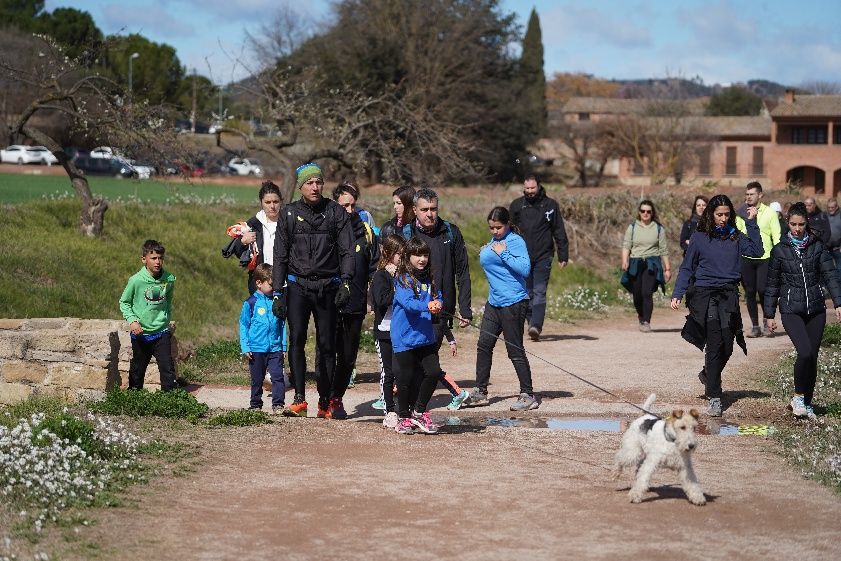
<point>279,37</point>
<point>589,147</point>
<point>822,87</point>
<point>58,87</point>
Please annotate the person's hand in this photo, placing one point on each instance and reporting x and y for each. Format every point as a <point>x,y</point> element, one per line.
<point>342,295</point>
<point>391,268</point>
<point>562,264</point>
<point>435,306</point>
<point>454,348</point>
<point>625,264</point>
<point>667,274</point>
<point>279,307</point>
<point>838,314</point>
<point>135,328</point>
<point>499,247</point>
<point>751,210</point>
<point>771,324</point>
<point>675,303</point>
<point>248,355</point>
<point>248,238</point>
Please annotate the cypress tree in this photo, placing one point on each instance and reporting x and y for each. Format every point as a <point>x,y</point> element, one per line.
<point>532,76</point>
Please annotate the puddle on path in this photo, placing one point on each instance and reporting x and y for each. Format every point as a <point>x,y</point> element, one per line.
<point>709,426</point>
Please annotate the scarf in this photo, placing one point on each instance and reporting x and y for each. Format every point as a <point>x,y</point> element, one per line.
<point>799,244</point>
<point>724,232</point>
<point>424,230</point>
<point>399,222</point>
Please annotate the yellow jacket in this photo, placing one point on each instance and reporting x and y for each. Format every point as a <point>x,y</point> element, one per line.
<point>769,228</point>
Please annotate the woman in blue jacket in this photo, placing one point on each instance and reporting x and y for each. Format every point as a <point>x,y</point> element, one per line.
<point>798,266</point>
<point>506,263</point>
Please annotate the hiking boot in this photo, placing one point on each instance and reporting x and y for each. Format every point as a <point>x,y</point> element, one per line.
<point>298,407</point>
<point>702,376</point>
<point>423,421</point>
<point>336,409</point>
<point>525,402</point>
<point>405,426</point>
<point>714,408</point>
<point>754,332</point>
<point>534,333</point>
<point>278,410</point>
<point>379,405</point>
<point>810,413</point>
<point>477,398</point>
<point>798,407</point>
<point>458,400</point>
<point>645,327</point>
<point>391,420</point>
<point>323,408</point>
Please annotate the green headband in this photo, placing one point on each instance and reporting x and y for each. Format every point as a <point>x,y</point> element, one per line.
<point>306,172</point>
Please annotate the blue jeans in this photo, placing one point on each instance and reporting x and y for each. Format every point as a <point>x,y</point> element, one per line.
<point>257,366</point>
<point>536,283</point>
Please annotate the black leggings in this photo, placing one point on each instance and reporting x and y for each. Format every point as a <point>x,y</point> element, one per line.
<point>805,333</point>
<point>301,303</point>
<point>754,277</point>
<point>418,371</point>
<point>510,321</point>
<point>716,352</point>
<point>348,333</point>
<point>644,285</point>
<point>386,355</point>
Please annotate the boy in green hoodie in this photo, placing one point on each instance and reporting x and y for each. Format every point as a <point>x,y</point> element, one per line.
<point>146,305</point>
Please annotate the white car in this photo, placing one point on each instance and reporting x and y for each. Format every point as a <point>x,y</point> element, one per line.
<point>244,166</point>
<point>14,154</point>
<point>40,155</point>
<point>103,152</point>
<point>132,168</point>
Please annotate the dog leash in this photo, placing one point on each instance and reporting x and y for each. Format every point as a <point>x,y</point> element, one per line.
<point>564,370</point>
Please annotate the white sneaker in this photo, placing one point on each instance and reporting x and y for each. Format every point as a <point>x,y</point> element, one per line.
<point>798,408</point>
<point>390,421</point>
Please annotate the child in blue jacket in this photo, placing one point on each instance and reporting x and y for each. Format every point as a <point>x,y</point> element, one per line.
<point>262,339</point>
<point>416,299</point>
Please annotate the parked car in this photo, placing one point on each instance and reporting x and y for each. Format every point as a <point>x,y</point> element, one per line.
<point>14,154</point>
<point>244,166</point>
<point>98,166</point>
<point>139,170</point>
<point>103,152</point>
<point>40,155</point>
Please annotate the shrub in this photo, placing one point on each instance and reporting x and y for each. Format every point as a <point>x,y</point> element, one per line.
<point>585,298</point>
<point>239,418</point>
<point>143,403</point>
<point>366,342</point>
<point>832,335</point>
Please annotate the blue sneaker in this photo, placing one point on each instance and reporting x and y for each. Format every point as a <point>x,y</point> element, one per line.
<point>458,400</point>
<point>379,404</point>
<point>798,407</point>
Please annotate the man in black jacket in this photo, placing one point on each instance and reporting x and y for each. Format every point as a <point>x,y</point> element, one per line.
<point>818,220</point>
<point>313,266</point>
<point>540,222</point>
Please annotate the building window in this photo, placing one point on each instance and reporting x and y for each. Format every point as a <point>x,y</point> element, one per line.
<point>583,116</point>
<point>808,135</point>
<point>758,161</point>
<point>730,167</point>
<point>837,129</point>
<point>637,169</point>
<point>704,160</point>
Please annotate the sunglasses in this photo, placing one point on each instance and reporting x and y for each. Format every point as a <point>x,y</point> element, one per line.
<point>645,211</point>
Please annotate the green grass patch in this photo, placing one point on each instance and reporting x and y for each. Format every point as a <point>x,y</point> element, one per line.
<point>21,188</point>
<point>831,335</point>
<point>216,363</point>
<point>50,406</point>
<point>239,418</point>
<point>176,404</point>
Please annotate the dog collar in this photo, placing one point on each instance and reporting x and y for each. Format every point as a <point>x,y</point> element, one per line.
<point>666,434</point>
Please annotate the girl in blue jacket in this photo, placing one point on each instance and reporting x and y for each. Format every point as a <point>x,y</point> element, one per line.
<point>416,299</point>
<point>506,262</point>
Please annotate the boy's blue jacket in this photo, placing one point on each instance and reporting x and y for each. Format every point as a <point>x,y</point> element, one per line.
<point>259,329</point>
<point>411,320</point>
<point>507,271</point>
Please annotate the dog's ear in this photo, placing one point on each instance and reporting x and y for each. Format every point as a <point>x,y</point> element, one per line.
<point>694,413</point>
<point>677,413</point>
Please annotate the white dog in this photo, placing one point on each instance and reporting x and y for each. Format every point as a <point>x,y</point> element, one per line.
<point>651,442</point>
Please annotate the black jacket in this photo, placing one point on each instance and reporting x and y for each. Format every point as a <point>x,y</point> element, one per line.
<point>686,232</point>
<point>365,257</point>
<point>540,223</point>
<point>237,248</point>
<point>390,228</point>
<point>313,243</point>
<point>819,223</point>
<point>382,295</point>
<point>794,279</point>
<point>448,257</point>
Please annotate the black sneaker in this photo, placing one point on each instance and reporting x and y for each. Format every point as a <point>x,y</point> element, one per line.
<point>477,398</point>
<point>534,333</point>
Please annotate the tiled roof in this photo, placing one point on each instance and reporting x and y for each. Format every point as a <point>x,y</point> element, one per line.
<point>809,106</point>
<point>618,106</point>
<point>737,126</point>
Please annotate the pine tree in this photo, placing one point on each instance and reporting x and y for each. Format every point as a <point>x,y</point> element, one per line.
<point>532,76</point>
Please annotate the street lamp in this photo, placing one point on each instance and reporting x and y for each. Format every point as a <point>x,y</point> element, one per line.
<point>130,59</point>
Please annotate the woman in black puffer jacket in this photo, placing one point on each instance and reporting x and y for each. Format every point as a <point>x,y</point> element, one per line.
<point>799,265</point>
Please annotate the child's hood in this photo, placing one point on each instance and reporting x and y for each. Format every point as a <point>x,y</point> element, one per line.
<point>147,277</point>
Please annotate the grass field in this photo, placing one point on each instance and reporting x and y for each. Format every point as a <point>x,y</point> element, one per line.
<point>18,188</point>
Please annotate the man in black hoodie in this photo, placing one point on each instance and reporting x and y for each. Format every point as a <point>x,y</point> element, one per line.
<point>313,267</point>
<point>539,220</point>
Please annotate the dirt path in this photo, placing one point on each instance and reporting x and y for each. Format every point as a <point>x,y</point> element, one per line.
<point>350,490</point>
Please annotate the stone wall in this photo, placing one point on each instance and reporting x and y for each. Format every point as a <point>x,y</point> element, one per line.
<point>65,357</point>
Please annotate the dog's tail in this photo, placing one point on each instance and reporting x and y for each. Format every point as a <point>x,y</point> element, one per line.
<point>649,402</point>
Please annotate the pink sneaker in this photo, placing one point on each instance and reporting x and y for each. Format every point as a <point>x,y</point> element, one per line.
<point>405,426</point>
<point>424,422</point>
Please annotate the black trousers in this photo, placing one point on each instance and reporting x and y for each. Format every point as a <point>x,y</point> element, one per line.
<point>510,321</point>
<point>348,333</point>
<point>717,351</point>
<point>754,279</point>
<point>142,353</point>
<point>644,284</point>
<point>536,283</point>
<point>302,303</point>
<point>805,333</point>
<point>385,352</point>
<point>259,364</point>
<point>418,372</point>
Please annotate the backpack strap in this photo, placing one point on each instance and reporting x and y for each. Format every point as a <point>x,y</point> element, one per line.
<point>407,231</point>
<point>252,301</point>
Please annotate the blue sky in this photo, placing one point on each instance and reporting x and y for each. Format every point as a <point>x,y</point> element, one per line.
<point>722,41</point>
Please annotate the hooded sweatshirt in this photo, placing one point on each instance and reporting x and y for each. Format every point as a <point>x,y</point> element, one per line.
<point>259,330</point>
<point>411,320</point>
<point>507,271</point>
<point>148,300</point>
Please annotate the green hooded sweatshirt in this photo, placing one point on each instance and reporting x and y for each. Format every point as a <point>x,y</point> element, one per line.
<point>148,300</point>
